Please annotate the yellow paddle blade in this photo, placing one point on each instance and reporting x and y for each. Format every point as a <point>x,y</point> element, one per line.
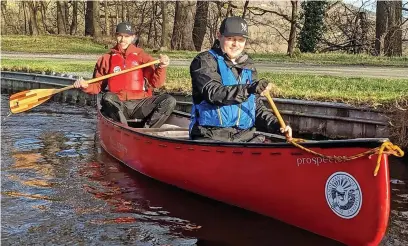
<point>26,100</point>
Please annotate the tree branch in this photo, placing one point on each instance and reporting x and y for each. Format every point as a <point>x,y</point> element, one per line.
<point>264,11</point>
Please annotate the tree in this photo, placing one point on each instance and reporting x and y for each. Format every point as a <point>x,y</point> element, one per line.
<point>61,18</point>
<point>293,23</point>
<point>165,19</point>
<point>200,24</point>
<point>312,30</point>
<point>388,33</point>
<point>281,30</point>
<point>4,17</point>
<point>74,23</point>
<point>92,27</point>
<point>32,22</point>
<point>183,28</point>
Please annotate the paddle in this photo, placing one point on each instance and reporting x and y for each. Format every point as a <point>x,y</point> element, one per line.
<point>25,100</point>
<point>276,111</point>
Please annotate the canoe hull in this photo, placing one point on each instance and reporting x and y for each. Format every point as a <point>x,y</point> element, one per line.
<point>339,200</point>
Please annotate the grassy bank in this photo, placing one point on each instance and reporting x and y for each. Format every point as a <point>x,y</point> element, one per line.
<point>357,91</point>
<point>53,44</point>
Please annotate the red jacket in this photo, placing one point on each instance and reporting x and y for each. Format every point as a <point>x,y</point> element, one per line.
<point>155,77</point>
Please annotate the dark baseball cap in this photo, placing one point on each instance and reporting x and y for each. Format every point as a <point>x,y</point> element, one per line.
<point>234,26</point>
<point>125,27</point>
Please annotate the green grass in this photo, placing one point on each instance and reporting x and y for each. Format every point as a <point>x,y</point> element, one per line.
<point>40,65</point>
<point>53,44</point>
<point>358,91</point>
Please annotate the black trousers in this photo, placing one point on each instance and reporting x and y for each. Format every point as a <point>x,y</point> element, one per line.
<point>153,110</point>
<point>227,134</point>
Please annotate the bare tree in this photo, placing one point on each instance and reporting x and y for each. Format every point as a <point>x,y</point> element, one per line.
<point>293,23</point>
<point>152,23</point>
<point>66,15</point>
<point>74,23</point>
<point>106,10</point>
<point>245,9</point>
<point>183,28</point>
<point>61,18</point>
<point>164,41</point>
<point>92,27</point>
<point>263,14</point>
<point>25,17</point>
<point>388,28</point>
<point>200,24</point>
<point>4,17</point>
<point>123,12</point>
<point>33,25</point>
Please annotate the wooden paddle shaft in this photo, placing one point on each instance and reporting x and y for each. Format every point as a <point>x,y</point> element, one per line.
<point>110,75</point>
<point>275,110</point>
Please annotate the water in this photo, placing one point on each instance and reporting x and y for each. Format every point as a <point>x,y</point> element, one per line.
<point>60,188</point>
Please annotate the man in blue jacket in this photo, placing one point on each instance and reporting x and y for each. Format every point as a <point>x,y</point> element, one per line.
<point>226,101</point>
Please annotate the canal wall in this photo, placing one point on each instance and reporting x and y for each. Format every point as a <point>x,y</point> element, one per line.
<point>331,120</point>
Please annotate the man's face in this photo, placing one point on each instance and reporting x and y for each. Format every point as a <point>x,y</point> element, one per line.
<point>233,46</point>
<point>124,39</point>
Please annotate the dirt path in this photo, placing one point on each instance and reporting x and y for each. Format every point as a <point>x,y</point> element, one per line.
<point>291,68</point>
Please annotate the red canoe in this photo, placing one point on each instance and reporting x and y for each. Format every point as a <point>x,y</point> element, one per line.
<point>339,200</point>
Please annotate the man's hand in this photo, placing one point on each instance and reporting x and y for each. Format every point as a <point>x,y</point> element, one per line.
<point>287,131</point>
<point>258,87</point>
<point>164,61</point>
<point>80,83</point>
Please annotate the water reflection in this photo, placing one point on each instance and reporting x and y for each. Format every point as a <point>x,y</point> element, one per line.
<point>187,214</point>
<point>59,187</point>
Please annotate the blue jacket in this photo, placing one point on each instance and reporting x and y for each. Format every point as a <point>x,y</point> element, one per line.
<point>238,115</point>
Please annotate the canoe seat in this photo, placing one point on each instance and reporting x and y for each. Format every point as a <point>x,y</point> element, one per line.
<point>173,134</point>
<point>169,131</point>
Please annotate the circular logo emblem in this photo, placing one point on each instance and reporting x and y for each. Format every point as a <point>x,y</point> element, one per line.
<point>343,194</point>
<point>116,69</point>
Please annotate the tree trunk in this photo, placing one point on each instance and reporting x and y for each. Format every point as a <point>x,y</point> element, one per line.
<point>92,27</point>
<point>200,24</point>
<point>123,13</point>
<point>106,10</point>
<point>245,9</point>
<point>380,25</point>
<point>74,23</point>
<point>183,28</point>
<point>152,20</point>
<point>66,16</point>
<point>165,18</point>
<point>32,7</point>
<point>364,26</point>
<point>229,9</point>
<point>388,33</point>
<point>25,18</point>
<point>4,16</point>
<point>293,23</point>
<point>393,38</point>
<point>60,18</point>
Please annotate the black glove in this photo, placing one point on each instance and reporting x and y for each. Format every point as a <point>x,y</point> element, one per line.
<point>258,87</point>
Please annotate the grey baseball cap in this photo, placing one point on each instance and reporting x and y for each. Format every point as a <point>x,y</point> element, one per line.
<point>125,27</point>
<point>234,26</point>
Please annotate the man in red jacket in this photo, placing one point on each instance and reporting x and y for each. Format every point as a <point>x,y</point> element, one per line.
<point>129,95</point>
